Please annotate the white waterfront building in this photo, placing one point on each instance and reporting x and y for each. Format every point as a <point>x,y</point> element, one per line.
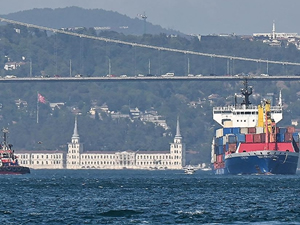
<point>76,158</point>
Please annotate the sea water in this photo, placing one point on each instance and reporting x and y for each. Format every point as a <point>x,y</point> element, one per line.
<point>147,197</point>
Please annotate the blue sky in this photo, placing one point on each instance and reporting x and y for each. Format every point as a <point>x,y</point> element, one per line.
<point>189,16</point>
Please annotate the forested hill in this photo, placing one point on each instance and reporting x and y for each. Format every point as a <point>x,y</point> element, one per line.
<point>40,53</point>
<point>74,17</point>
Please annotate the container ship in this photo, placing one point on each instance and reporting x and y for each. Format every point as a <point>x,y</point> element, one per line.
<point>249,141</point>
<point>8,161</point>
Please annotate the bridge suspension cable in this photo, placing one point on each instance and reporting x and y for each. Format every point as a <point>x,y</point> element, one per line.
<point>148,46</point>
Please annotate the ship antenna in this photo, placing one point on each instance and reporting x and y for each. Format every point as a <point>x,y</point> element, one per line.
<point>246,92</point>
<point>280,99</point>
<point>5,131</point>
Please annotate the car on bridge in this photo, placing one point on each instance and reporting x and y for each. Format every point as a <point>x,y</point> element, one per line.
<point>168,75</point>
<point>10,76</point>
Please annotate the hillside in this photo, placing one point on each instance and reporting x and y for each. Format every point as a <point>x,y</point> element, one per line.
<point>45,54</point>
<point>72,17</point>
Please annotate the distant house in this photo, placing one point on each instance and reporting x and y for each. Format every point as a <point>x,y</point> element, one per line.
<point>13,65</point>
<point>57,105</point>
<point>20,103</point>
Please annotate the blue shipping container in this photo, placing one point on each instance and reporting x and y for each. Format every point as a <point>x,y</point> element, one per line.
<point>241,138</point>
<point>296,137</point>
<point>216,150</point>
<point>227,146</point>
<point>220,150</point>
<point>227,131</point>
<point>280,137</point>
<point>220,141</point>
<point>282,130</point>
<point>231,139</point>
<point>236,130</point>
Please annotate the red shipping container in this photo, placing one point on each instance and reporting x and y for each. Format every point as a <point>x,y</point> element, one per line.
<point>251,130</point>
<point>219,158</point>
<point>256,138</point>
<point>249,138</point>
<point>263,137</point>
<point>288,137</point>
<point>290,130</point>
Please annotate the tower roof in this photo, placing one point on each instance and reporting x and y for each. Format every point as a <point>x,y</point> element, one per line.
<point>75,133</point>
<point>178,135</point>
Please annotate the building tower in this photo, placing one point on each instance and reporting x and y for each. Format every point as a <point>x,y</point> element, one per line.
<point>177,150</point>
<point>75,148</point>
<point>273,31</point>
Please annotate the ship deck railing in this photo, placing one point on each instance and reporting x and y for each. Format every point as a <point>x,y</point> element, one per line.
<point>241,107</point>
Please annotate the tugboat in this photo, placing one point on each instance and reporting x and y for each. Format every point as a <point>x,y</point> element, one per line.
<point>8,161</point>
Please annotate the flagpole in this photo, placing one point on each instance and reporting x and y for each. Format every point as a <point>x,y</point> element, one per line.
<point>37,108</point>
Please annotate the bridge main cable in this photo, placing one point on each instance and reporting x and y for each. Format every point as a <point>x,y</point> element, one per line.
<point>147,46</point>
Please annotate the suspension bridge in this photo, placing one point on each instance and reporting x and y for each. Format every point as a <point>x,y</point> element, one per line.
<point>159,48</point>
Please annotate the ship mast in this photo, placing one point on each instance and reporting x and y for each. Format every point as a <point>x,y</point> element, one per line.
<point>246,91</point>
<point>5,131</point>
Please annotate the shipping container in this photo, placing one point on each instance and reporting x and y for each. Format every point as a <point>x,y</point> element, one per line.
<point>263,137</point>
<point>251,130</point>
<point>296,136</point>
<point>227,147</point>
<point>220,150</point>
<point>231,139</point>
<point>227,130</point>
<point>220,141</point>
<point>227,124</point>
<point>240,138</point>
<point>280,137</point>
<point>249,138</point>
<point>290,129</point>
<point>220,158</point>
<point>282,130</point>
<point>288,137</point>
<point>236,130</point>
<point>219,132</point>
<point>256,138</point>
<point>244,130</point>
<point>216,150</point>
<point>277,130</point>
<point>259,130</point>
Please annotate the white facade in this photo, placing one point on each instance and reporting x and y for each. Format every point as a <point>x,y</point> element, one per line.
<point>42,159</point>
<point>77,159</point>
